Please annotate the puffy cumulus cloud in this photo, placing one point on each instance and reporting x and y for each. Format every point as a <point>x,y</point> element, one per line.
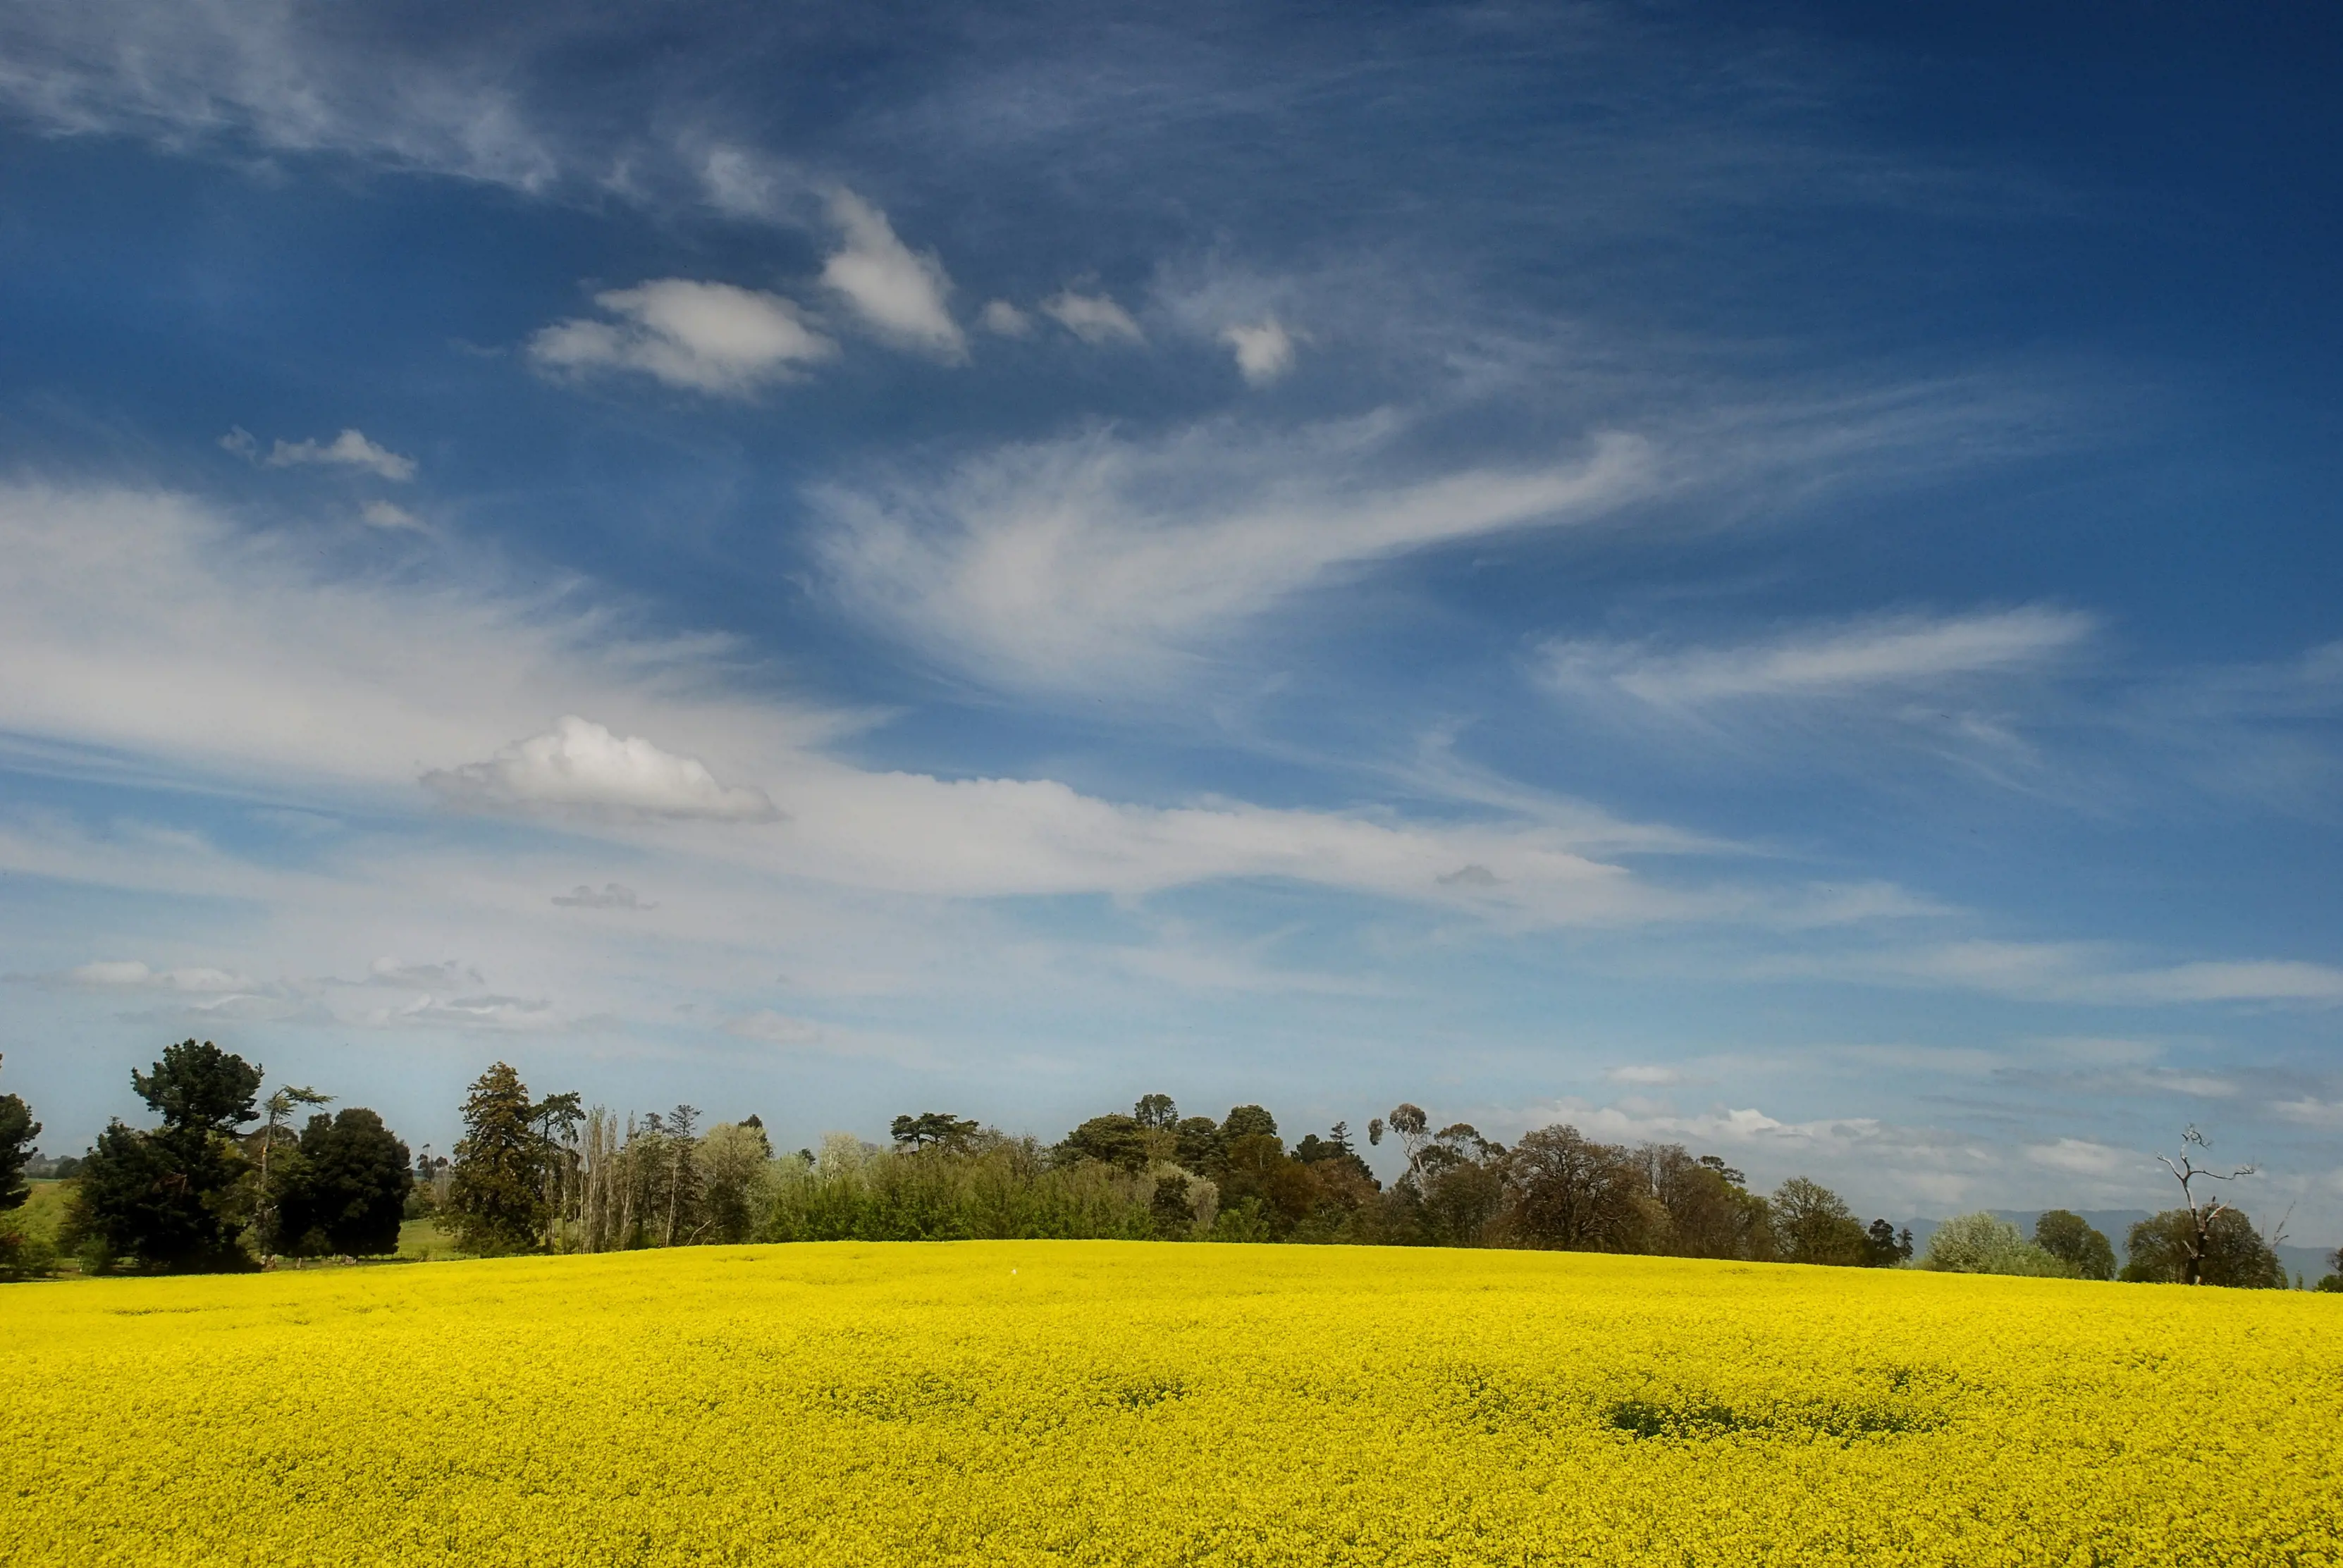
<point>1095,318</point>
<point>1094,559</point>
<point>581,765</point>
<point>1820,663</point>
<point>351,450</point>
<point>898,293</point>
<point>1264,352</point>
<point>1004,319</point>
<point>710,337</point>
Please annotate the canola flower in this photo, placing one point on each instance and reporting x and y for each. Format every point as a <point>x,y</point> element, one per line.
<point>1130,1402</point>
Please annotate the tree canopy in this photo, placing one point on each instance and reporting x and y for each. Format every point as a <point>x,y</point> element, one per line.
<point>496,1197</point>
<point>2076,1243</point>
<point>344,1190</point>
<point>17,1130</point>
<point>167,1196</point>
<point>2164,1249</point>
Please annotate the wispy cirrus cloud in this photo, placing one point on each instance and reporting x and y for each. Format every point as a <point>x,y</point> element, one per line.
<point>2080,973</point>
<point>1097,559</point>
<point>1865,658</point>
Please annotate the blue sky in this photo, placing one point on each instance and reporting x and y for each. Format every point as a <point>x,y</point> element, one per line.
<point>1760,577</point>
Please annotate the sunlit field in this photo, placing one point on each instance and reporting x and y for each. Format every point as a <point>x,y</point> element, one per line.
<point>1005,1402</point>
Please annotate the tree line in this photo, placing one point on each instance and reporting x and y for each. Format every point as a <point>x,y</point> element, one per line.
<point>536,1175</point>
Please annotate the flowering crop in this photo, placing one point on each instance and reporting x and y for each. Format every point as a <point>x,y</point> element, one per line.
<point>1120,1403</point>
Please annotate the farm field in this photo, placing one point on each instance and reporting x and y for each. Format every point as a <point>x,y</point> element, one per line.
<point>1116,1403</point>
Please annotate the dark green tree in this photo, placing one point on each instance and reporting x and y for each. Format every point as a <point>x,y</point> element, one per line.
<point>1257,1168</point>
<point>1198,1146</point>
<point>1883,1249</point>
<point>2180,1248</point>
<point>495,1194</point>
<point>2076,1243</point>
<point>1111,1140</point>
<point>1812,1224</point>
<point>1248,1121</point>
<point>934,1130</point>
<point>1333,1151</point>
<point>1174,1217</point>
<point>17,1130</point>
<point>344,1190</point>
<point>166,1196</point>
<point>1156,1112</point>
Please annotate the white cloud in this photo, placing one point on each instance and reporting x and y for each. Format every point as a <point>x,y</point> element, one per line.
<point>262,73</point>
<point>130,973</point>
<point>613,895</point>
<point>1264,352</point>
<point>709,336</point>
<point>146,624</point>
<point>901,294</point>
<point>383,515</point>
<point>774,1028</point>
<point>1092,317</point>
<point>441,976</point>
<point>1649,1076</point>
<point>2081,1156</point>
<point>2311,1112</point>
<point>1004,319</point>
<point>578,764</point>
<point>2265,979</point>
<point>487,1011</point>
<point>1848,659</point>
<point>745,183</point>
<point>1094,559</point>
<point>351,450</point>
<point>2081,972</point>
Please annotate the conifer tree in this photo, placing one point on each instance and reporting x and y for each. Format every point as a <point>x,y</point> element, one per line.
<point>497,1198</point>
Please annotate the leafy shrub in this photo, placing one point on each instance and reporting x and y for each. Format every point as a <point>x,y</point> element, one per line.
<point>1981,1244</point>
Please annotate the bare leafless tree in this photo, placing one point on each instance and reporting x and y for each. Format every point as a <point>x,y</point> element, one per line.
<point>2202,1208</point>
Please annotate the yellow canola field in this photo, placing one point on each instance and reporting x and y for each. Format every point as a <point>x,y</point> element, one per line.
<point>1118,1402</point>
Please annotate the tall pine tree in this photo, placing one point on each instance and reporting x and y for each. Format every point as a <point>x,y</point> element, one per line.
<point>496,1196</point>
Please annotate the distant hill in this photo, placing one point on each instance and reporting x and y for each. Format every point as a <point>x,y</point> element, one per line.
<point>2310,1262</point>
